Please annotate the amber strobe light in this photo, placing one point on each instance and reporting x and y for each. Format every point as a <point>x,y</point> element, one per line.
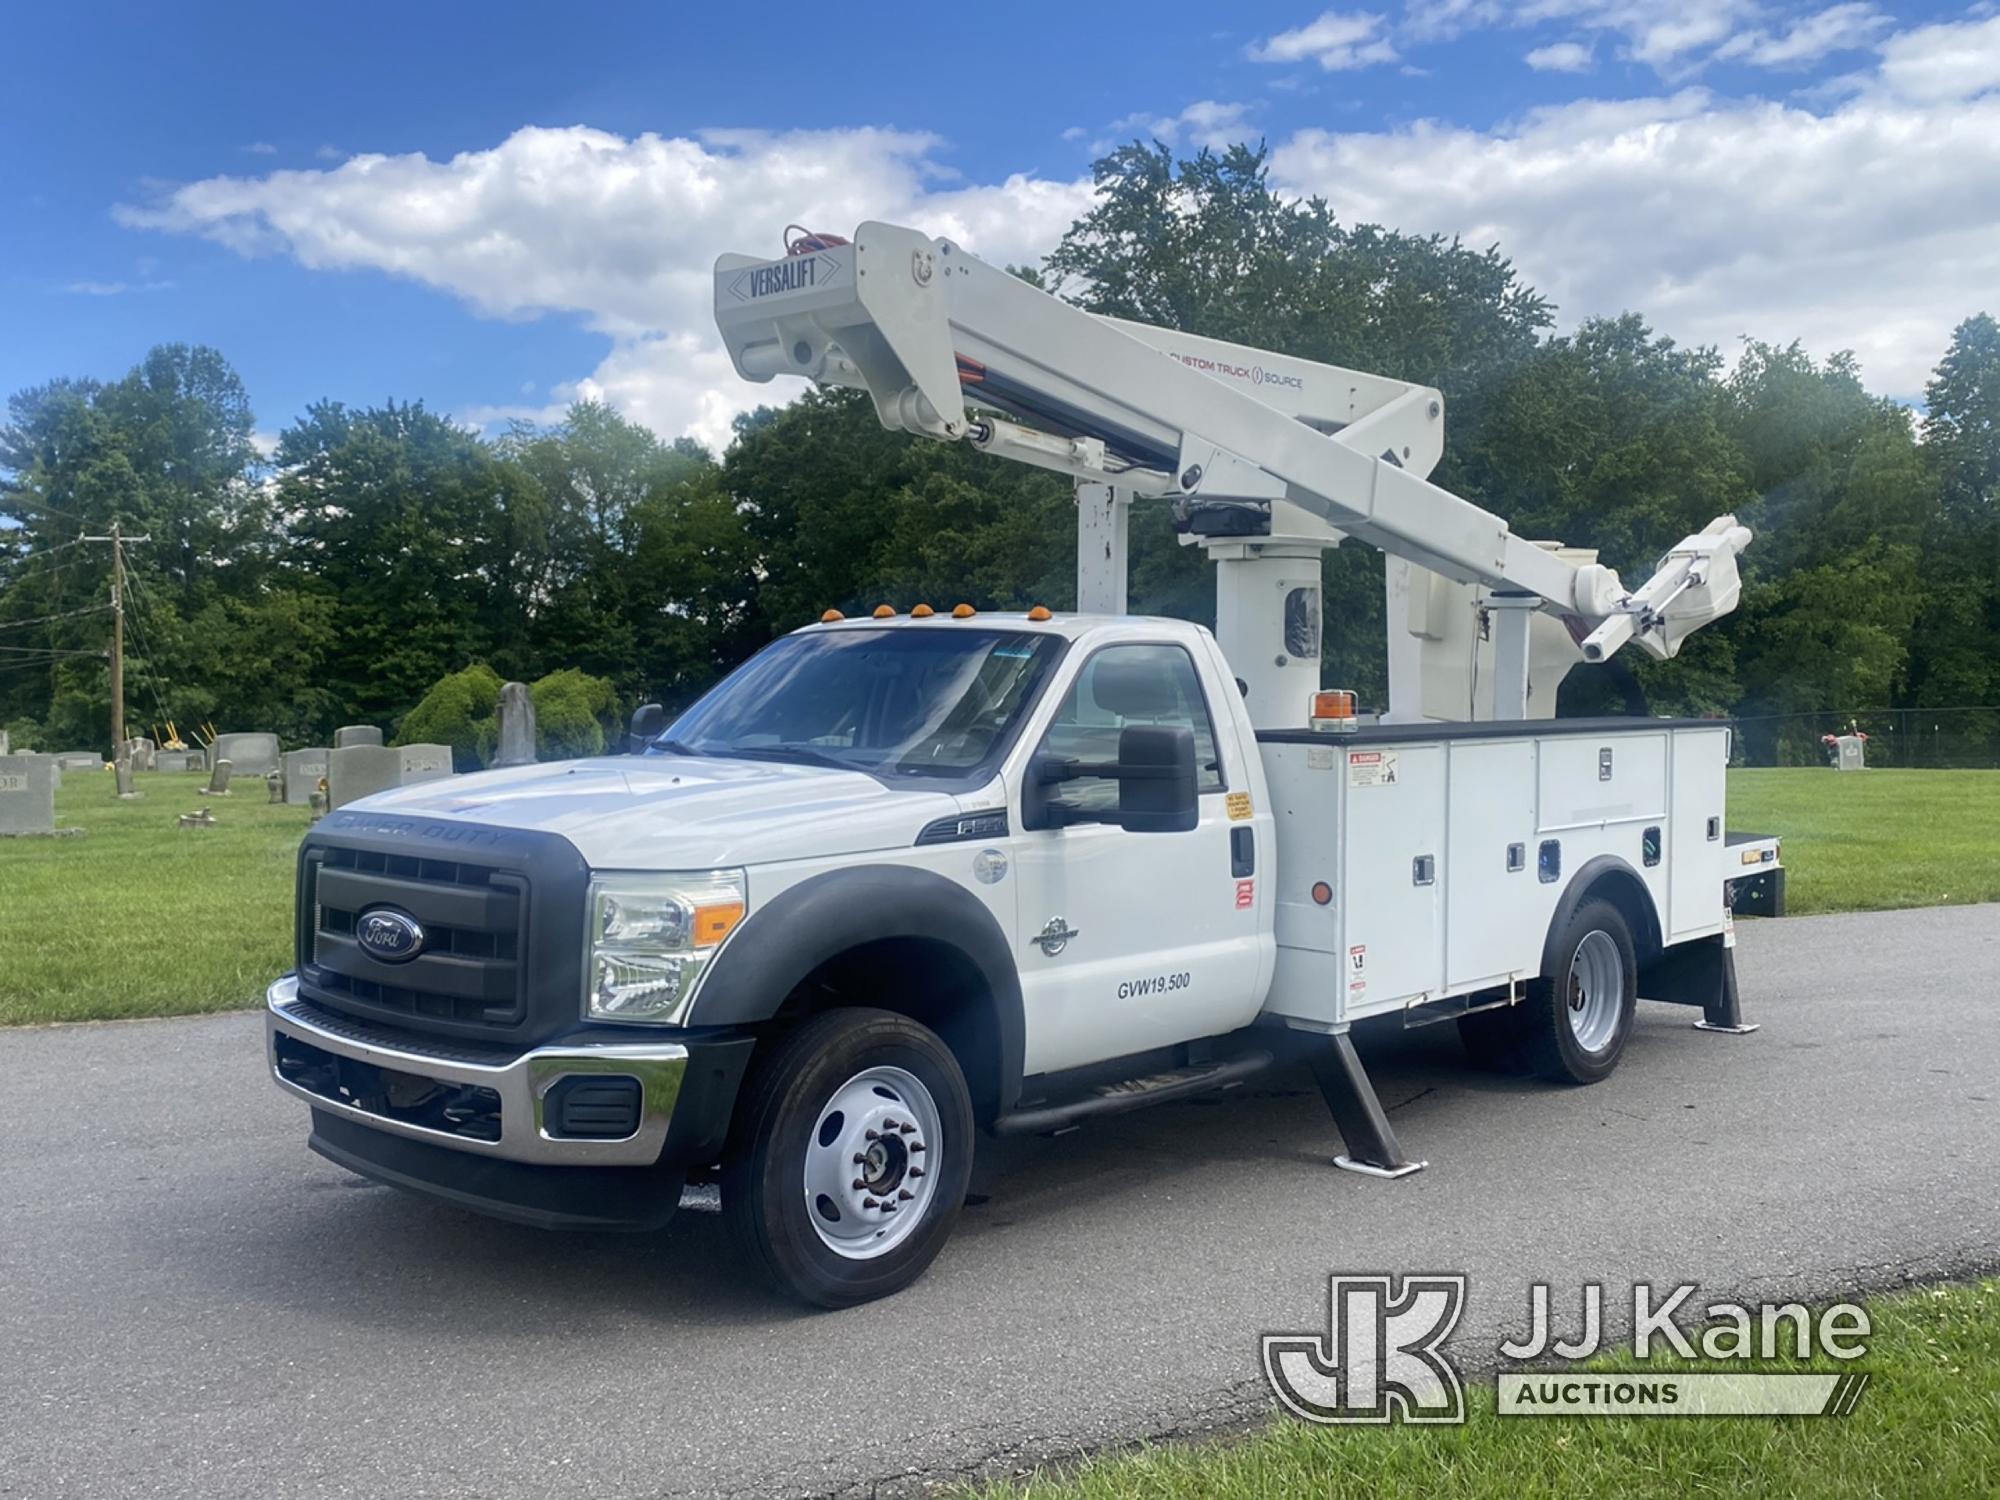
<point>1332,710</point>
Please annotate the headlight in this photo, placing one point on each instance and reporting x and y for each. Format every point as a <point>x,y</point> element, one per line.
<point>650,938</point>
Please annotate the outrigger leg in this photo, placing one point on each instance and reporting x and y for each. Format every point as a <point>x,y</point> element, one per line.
<point>1371,1142</point>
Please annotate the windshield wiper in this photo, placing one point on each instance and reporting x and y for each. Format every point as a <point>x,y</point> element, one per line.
<point>798,754</point>
<point>674,747</point>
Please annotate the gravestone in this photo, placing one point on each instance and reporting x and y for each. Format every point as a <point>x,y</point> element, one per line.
<point>274,786</point>
<point>123,770</point>
<point>218,779</point>
<point>250,754</point>
<point>356,771</point>
<point>142,752</point>
<point>304,770</point>
<point>27,795</point>
<point>318,804</point>
<point>6,745</point>
<point>203,819</point>
<point>356,734</point>
<point>173,760</point>
<point>517,726</point>
<point>80,760</point>
<point>425,763</point>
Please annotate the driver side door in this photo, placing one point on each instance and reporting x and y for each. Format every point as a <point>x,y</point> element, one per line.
<point>1129,941</point>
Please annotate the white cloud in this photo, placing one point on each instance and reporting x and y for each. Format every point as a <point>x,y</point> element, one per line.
<point>1936,64</point>
<point>328,153</point>
<point>1206,122</point>
<point>1337,41</point>
<point>98,288</point>
<point>621,231</point>
<point>1560,57</point>
<point>1866,227</point>
<point>261,148</point>
<point>1839,28</point>
<point>1861,222</point>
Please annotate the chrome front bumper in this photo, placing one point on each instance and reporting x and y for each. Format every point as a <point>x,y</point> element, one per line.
<point>522,1085</point>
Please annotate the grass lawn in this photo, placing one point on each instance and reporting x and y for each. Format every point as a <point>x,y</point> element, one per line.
<point>140,917</point>
<point>1928,1424</point>
<point>1871,840</point>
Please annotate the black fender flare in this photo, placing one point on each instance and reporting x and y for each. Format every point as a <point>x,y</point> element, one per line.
<point>822,917</point>
<point>1647,933</point>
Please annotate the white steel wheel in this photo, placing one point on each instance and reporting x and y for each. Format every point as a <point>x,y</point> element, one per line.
<point>873,1163</point>
<point>850,1149</point>
<point>1596,991</point>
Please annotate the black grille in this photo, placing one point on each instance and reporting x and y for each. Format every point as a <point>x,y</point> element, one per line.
<point>500,957</point>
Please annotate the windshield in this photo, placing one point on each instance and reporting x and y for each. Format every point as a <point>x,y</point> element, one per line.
<point>895,702</point>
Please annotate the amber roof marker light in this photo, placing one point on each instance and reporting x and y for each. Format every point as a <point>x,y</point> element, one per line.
<point>884,612</point>
<point>922,612</point>
<point>1040,612</point>
<point>831,616</point>
<point>963,612</point>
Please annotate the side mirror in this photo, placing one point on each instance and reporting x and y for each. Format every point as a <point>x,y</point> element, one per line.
<point>1157,784</point>
<point>649,722</point>
<point>1156,779</point>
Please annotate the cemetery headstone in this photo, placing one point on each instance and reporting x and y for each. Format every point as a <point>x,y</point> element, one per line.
<point>318,803</point>
<point>173,760</point>
<point>122,768</point>
<point>304,770</point>
<point>517,726</point>
<point>425,763</point>
<point>203,819</point>
<point>80,760</point>
<point>356,771</point>
<point>218,779</point>
<point>251,754</point>
<point>142,752</point>
<point>27,795</point>
<point>6,745</point>
<point>356,734</point>
<point>274,785</point>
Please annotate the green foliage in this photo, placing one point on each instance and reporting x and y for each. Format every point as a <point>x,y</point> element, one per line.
<point>350,578</point>
<point>458,711</point>
<point>574,713</point>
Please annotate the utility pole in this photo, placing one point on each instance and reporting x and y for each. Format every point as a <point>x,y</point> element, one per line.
<point>117,539</point>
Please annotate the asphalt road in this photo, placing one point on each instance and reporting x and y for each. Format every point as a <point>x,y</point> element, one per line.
<point>192,1304</point>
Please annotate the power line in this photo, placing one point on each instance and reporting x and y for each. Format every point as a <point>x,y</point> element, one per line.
<point>68,614</point>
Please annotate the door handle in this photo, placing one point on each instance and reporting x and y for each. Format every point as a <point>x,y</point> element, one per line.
<point>1242,853</point>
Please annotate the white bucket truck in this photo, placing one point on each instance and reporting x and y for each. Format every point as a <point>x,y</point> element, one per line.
<point>903,881</point>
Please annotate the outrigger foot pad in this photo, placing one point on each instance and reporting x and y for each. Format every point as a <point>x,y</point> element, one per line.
<point>1371,1143</point>
<point>1743,1030</point>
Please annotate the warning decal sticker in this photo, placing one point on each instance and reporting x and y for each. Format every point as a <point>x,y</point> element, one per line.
<point>1239,806</point>
<point>1371,768</point>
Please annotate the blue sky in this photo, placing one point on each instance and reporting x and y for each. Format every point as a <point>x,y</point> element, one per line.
<point>497,209</point>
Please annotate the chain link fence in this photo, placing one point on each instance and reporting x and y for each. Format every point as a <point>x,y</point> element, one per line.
<point>1928,738</point>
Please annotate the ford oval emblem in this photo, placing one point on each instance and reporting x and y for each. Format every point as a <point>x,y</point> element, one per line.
<point>389,935</point>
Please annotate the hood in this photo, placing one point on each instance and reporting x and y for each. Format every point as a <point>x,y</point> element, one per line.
<point>675,812</point>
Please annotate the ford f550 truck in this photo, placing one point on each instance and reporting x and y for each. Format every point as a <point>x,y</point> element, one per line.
<point>906,881</point>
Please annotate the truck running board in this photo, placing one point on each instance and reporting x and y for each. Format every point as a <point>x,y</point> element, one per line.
<point>1117,1098</point>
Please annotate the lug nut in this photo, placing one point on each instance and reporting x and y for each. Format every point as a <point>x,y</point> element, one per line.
<point>889,1124</point>
<point>872,1135</point>
<point>860,1186</point>
<point>869,1203</point>
<point>915,1147</point>
<point>904,1195</point>
<point>916,1171</point>
<point>860,1160</point>
<point>907,1128</point>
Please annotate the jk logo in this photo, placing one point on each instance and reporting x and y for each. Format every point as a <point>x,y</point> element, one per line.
<point>1379,1361</point>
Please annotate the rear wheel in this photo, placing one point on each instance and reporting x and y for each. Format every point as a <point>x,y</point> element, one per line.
<point>850,1157</point>
<point>1576,1022</point>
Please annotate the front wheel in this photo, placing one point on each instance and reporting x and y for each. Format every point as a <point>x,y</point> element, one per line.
<point>850,1158</point>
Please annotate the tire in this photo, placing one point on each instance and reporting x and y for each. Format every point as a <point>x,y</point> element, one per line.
<point>851,1083</point>
<point>1575,1022</point>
